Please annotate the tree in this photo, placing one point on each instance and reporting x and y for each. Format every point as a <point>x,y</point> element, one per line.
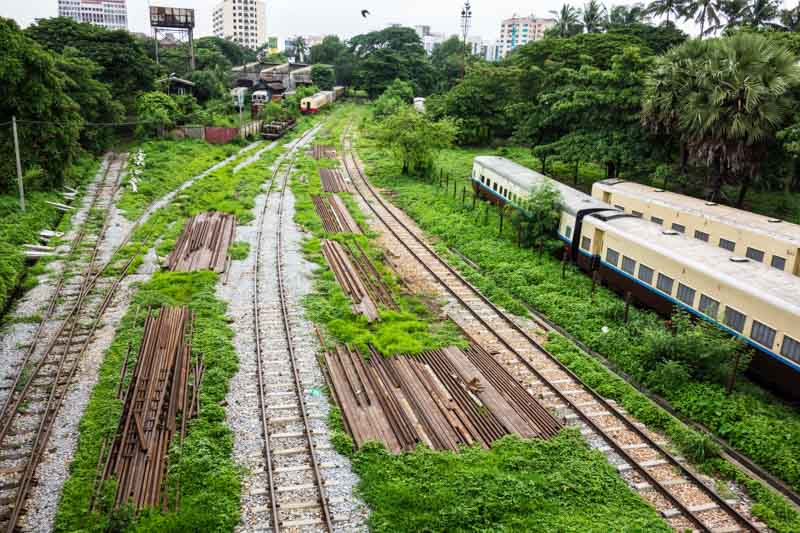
<point>157,111</point>
<point>541,213</point>
<point>328,51</point>
<point>659,38</point>
<point>790,19</point>
<point>94,98</point>
<point>323,77</point>
<point>623,15</point>
<point>727,98</point>
<point>400,89</point>
<point>381,57</point>
<point>762,13</point>
<point>300,49</point>
<point>568,21</point>
<point>414,138</point>
<point>448,61</point>
<point>595,17</point>
<point>704,13</point>
<point>32,88</point>
<point>124,63</point>
<point>660,8</point>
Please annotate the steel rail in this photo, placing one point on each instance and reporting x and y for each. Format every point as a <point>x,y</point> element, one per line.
<point>683,509</point>
<point>257,270</point>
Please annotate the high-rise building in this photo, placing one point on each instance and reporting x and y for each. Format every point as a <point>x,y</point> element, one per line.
<point>241,21</point>
<point>111,14</point>
<point>518,31</point>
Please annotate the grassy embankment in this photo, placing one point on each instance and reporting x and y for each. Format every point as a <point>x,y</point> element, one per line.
<point>514,278</point>
<point>556,485</point>
<point>18,228</point>
<point>210,482</point>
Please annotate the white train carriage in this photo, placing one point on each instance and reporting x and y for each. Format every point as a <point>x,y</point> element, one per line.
<point>312,104</point>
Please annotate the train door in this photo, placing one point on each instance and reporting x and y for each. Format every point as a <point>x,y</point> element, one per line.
<point>607,197</point>
<point>598,240</point>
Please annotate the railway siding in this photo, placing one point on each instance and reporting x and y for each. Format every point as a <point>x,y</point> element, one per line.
<point>524,358</point>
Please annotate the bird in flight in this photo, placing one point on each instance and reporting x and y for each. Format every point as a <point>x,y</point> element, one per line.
<point>364,13</point>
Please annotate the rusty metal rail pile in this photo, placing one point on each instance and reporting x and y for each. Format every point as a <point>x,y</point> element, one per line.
<point>162,396</point>
<point>444,398</point>
<point>323,151</point>
<point>334,215</point>
<point>333,180</point>
<point>204,243</point>
<point>358,278</point>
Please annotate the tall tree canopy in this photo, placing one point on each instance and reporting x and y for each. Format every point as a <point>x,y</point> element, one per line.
<point>123,61</point>
<point>33,88</point>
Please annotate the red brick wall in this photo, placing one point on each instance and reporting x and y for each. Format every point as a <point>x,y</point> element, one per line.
<point>221,135</point>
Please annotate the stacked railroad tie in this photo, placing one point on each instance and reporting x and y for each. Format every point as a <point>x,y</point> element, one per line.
<point>334,214</point>
<point>322,151</point>
<point>204,243</point>
<point>162,396</point>
<point>333,180</point>
<point>444,398</point>
<point>359,279</point>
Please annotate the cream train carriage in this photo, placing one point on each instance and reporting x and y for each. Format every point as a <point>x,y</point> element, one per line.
<point>664,268</point>
<point>768,240</point>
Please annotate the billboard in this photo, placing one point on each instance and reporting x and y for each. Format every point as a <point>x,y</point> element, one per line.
<point>172,17</point>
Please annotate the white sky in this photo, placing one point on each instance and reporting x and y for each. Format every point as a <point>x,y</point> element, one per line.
<point>323,17</point>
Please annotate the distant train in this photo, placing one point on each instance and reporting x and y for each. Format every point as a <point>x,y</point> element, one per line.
<point>767,240</point>
<point>663,268</point>
<point>312,104</point>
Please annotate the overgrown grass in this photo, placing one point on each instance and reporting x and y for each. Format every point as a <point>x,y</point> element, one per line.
<point>413,328</point>
<point>18,228</point>
<point>209,480</point>
<point>514,278</point>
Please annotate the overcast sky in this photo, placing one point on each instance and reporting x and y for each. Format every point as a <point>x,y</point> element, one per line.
<point>324,17</point>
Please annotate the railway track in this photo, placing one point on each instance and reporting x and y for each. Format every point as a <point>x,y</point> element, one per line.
<point>295,488</point>
<point>32,402</point>
<point>663,479</point>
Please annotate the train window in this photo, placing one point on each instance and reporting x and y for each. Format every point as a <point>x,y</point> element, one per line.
<point>778,262</point>
<point>679,227</point>
<point>646,274</point>
<point>790,348</point>
<point>621,208</point>
<point>701,235</point>
<point>483,180</point>
<point>612,257</point>
<point>494,186</point>
<point>755,255</point>
<point>709,306</point>
<point>734,319</point>
<point>586,243</point>
<point>568,233</point>
<point>762,334</point>
<point>657,220</point>
<point>637,214</point>
<point>665,283</point>
<point>727,245</point>
<point>686,294</point>
<point>628,265</point>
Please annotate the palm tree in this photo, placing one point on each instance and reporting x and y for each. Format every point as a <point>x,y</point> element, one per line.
<point>726,98</point>
<point>625,15</point>
<point>704,12</point>
<point>734,12</point>
<point>790,19</point>
<point>595,16</point>
<point>567,20</point>
<point>659,8</point>
<point>300,49</point>
<point>762,13</point>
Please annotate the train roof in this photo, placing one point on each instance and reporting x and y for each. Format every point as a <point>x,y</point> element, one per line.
<point>572,200</point>
<point>730,216</point>
<point>757,279</point>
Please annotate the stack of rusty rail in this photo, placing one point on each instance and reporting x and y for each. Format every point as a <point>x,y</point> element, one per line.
<point>322,151</point>
<point>444,398</point>
<point>162,396</point>
<point>204,243</point>
<point>334,214</point>
<point>359,279</point>
<point>333,180</point>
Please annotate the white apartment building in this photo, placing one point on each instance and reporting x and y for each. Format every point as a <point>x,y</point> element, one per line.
<point>518,31</point>
<point>241,21</point>
<point>111,14</point>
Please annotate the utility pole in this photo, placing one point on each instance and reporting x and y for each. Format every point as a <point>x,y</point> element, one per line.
<point>19,164</point>
<point>466,20</point>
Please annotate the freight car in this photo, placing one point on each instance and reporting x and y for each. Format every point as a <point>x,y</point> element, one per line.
<point>277,128</point>
<point>665,269</point>
<point>763,239</point>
